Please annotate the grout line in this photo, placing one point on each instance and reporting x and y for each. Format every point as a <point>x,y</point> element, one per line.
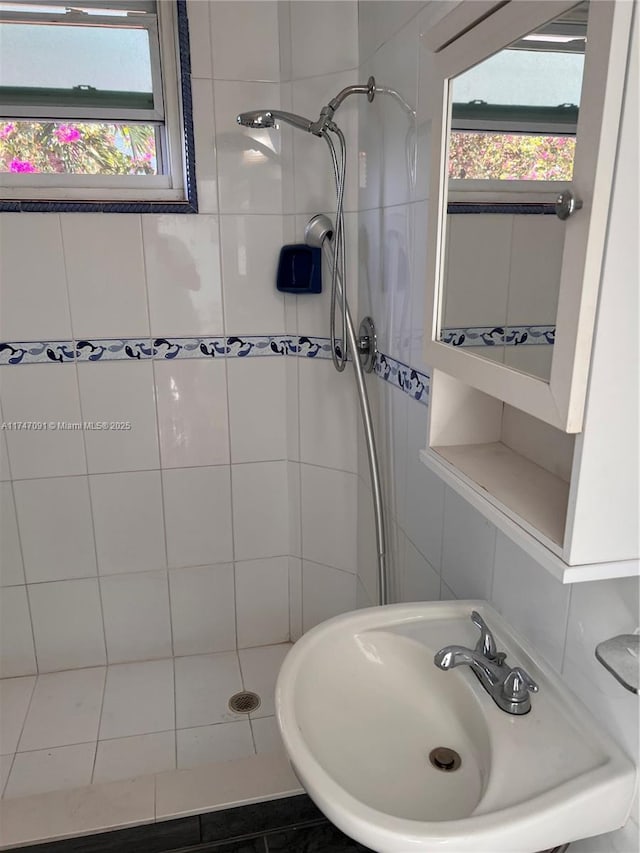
<point>104,693</point>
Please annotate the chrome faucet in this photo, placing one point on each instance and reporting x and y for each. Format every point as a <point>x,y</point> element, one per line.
<point>509,688</point>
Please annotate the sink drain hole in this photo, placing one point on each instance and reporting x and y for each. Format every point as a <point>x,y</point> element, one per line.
<point>244,702</point>
<point>445,759</point>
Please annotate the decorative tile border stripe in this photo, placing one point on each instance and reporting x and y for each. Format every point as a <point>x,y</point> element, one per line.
<point>413,382</point>
<point>491,336</point>
<point>137,349</point>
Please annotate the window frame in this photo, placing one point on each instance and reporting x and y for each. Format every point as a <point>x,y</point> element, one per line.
<point>174,191</point>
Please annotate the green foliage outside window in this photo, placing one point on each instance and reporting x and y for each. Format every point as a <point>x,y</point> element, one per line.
<point>510,156</point>
<point>49,147</point>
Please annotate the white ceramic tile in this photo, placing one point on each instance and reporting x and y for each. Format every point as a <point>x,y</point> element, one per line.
<point>424,502</point>
<point>392,437</point>
<point>266,735</point>
<point>291,366</point>
<point>367,543</point>
<point>105,272</point>
<point>204,137</point>
<point>81,811</point>
<point>260,668</point>
<point>192,412</point>
<point>418,278</point>
<point>396,66</point>
<point>199,38</point>
<point>326,592</point>
<point>468,547</point>
<point>16,639</point>
<point>329,415</point>
<point>197,505</point>
<point>329,517</point>
<point>33,283</point>
<point>128,521</point>
<point>136,616</point>
<point>203,609</point>
<point>295,598</point>
<point>220,742</point>
<point>54,518</point>
<point>314,188</point>
<point>260,510</point>
<point>394,330</point>
<point>54,769</point>
<point>65,709</point>
<point>295,519</point>
<point>262,601</point>
<point>598,611</point>
<point>245,37</point>
<point>43,394</point>
<point>250,250</point>
<point>4,457</point>
<point>324,37</point>
<point>11,571</point>
<point>249,160</point>
<point>478,251</point>
<point>15,695</point>
<point>182,259</point>
<point>119,392</point>
<point>420,581</point>
<point>5,766</point>
<point>67,624</point>
<point>532,600</point>
<point>258,385</point>
<point>536,260</point>
<point>138,699</point>
<point>257,778</point>
<point>204,685</point>
<point>127,757</point>
<point>377,21</point>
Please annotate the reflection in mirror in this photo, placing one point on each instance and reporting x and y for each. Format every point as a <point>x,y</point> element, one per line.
<point>512,138</point>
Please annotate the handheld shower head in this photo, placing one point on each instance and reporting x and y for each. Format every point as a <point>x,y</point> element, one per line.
<point>268,118</point>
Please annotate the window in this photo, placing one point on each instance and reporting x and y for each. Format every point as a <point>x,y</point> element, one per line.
<point>94,102</point>
<point>514,116</point>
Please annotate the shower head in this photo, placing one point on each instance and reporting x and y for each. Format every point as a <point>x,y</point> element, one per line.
<point>268,118</point>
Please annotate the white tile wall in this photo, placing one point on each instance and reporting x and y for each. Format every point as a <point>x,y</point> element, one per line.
<point>43,393</point>
<point>260,667</point>
<point>33,278</point>
<point>244,37</point>
<point>260,510</point>
<point>105,275</point>
<point>67,624</point>
<point>136,616</point>
<point>197,505</point>
<point>11,570</point>
<point>262,600</point>
<point>17,655</point>
<point>326,592</point>
<point>329,517</point>
<point>119,393</point>
<point>258,425</point>
<point>54,518</point>
<point>203,609</point>
<point>128,521</point>
<point>250,249</point>
<point>182,259</point>
<point>468,549</point>
<point>192,412</point>
<point>324,37</point>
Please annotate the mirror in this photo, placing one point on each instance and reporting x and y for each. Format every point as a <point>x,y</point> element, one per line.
<point>511,144</point>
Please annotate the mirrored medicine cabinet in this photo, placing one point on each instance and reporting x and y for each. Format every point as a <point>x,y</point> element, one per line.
<point>528,138</point>
<point>524,128</point>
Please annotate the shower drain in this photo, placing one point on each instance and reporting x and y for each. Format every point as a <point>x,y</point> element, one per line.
<point>244,702</point>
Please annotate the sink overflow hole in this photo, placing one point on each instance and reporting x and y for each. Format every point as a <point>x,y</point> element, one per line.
<point>445,759</point>
<point>244,702</point>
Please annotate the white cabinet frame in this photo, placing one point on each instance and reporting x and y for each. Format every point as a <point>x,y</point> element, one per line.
<point>560,401</point>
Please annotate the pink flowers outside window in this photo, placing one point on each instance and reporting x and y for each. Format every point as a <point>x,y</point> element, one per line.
<point>7,130</point>
<point>66,133</point>
<point>21,166</point>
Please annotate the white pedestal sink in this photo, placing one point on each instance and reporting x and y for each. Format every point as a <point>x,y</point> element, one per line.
<point>360,706</point>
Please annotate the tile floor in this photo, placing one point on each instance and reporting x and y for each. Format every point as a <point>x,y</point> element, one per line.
<point>73,728</point>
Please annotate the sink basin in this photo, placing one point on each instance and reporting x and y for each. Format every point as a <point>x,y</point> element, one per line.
<point>361,706</point>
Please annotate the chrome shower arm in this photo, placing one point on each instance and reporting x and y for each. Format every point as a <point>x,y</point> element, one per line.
<point>368,89</point>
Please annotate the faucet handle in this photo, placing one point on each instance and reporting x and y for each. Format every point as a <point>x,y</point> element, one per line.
<point>518,684</point>
<point>486,645</point>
